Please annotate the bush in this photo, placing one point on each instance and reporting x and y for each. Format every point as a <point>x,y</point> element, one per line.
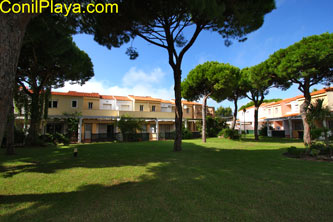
<point>263,130</point>
<point>229,133</point>
<point>321,147</point>
<point>48,138</point>
<point>293,151</point>
<point>187,134</point>
<point>54,138</point>
<point>316,133</point>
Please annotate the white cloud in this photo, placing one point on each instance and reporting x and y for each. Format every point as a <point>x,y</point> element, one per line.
<point>134,82</point>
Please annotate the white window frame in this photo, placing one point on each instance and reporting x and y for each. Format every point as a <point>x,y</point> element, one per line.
<point>77,103</point>
<point>92,105</point>
<point>52,107</point>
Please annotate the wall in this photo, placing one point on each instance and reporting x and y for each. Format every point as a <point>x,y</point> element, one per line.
<point>107,101</point>
<point>65,105</point>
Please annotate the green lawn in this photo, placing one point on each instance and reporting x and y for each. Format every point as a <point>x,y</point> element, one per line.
<point>219,181</point>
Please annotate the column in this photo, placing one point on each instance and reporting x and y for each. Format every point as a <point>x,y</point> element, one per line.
<point>79,131</point>
<point>290,128</point>
<point>268,133</point>
<point>157,130</point>
<point>186,125</point>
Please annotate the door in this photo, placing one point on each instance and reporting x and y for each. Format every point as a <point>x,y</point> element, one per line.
<point>87,131</point>
<point>110,130</point>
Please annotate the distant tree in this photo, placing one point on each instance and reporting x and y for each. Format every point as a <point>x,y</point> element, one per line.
<point>257,82</point>
<point>204,81</point>
<point>237,90</point>
<point>72,120</point>
<point>128,124</point>
<point>249,104</point>
<point>316,114</point>
<point>305,63</point>
<point>48,59</point>
<point>163,23</point>
<point>223,111</point>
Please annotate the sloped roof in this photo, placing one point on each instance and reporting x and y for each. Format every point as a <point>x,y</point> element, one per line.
<point>145,98</point>
<point>78,94</point>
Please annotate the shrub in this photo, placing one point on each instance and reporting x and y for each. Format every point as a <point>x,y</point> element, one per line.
<point>293,151</point>
<point>61,138</point>
<point>187,134</point>
<point>229,133</point>
<point>316,133</point>
<point>263,130</point>
<point>314,152</point>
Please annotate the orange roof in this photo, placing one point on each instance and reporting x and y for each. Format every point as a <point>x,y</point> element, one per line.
<point>107,97</point>
<point>122,98</point>
<point>145,98</point>
<point>289,115</point>
<point>167,101</point>
<point>185,102</point>
<point>78,94</point>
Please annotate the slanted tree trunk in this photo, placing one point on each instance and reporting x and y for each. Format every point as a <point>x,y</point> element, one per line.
<point>256,111</point>
<point>204,113</point>
<point>306,125</point>
<point>10,129</point>
<point>234,117</point>
<point>178,110</point>
<point>12,28</point>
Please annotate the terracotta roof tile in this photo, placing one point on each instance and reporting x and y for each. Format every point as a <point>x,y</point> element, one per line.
<point>122,98</point>
<point>78,94</point>
<point>145,98</point>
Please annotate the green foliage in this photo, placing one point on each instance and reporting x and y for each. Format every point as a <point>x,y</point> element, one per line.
<point>187,134</point>
<point>316,133</point>
<point>263,130</point>
<point>223,111</point>
<point>306,63</point>
<point>295,152</point>
<point>314,152</point>
<point>229,133</point>
<point>72,120</point>
<point>211,79</point>
<point>127,124</point>
<point>317,112</point>
<point>251,103</point>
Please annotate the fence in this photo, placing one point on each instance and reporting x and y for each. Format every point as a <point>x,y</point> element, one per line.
<point>103,137</point>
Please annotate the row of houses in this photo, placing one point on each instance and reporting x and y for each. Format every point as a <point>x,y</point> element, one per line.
<point>100,113</point>
<point>284,116</point>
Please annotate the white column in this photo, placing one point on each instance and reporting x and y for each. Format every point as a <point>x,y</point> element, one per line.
<point>186,124</point>
<point>268,133</point>
<point>157,130</point>
<point>290,128</point>
<point>324,123</point>
<point>79,135</point>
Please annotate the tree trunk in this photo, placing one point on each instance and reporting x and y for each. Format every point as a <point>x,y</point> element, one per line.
<point>234,117</point>
<point>12,28</point>
<point>306,125</point>
<point>178,110</point>
<point>10,130</point>
<point>256,111</point>
<point>35,118</point>
<point>204,111</point>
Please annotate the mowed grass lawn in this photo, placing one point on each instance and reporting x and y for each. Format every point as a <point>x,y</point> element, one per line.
<point>221,180</point>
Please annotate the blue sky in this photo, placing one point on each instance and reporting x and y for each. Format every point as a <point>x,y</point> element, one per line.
<point>150,74</point>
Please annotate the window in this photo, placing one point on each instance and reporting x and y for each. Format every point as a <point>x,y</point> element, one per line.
<point>74,103</point>
<point>153,108</point>
<point>125,107</point>
<point>269,112</point>
<point>107,106</point>
<point>276,110</point>
<point>141,108</point>
<point>53,104</point>
<point>90,105</point>
<point>187,110</point>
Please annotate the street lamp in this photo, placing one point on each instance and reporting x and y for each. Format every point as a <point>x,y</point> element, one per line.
<point>244,110</point>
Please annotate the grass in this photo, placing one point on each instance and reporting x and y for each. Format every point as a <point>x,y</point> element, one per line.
<point>221,180</point>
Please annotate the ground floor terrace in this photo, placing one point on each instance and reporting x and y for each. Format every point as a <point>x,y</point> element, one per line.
<point>101,129</point>
<point>292,126</point>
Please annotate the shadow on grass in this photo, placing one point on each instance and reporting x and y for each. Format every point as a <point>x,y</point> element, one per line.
<point>271,140</point>
<point>198,184</point>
